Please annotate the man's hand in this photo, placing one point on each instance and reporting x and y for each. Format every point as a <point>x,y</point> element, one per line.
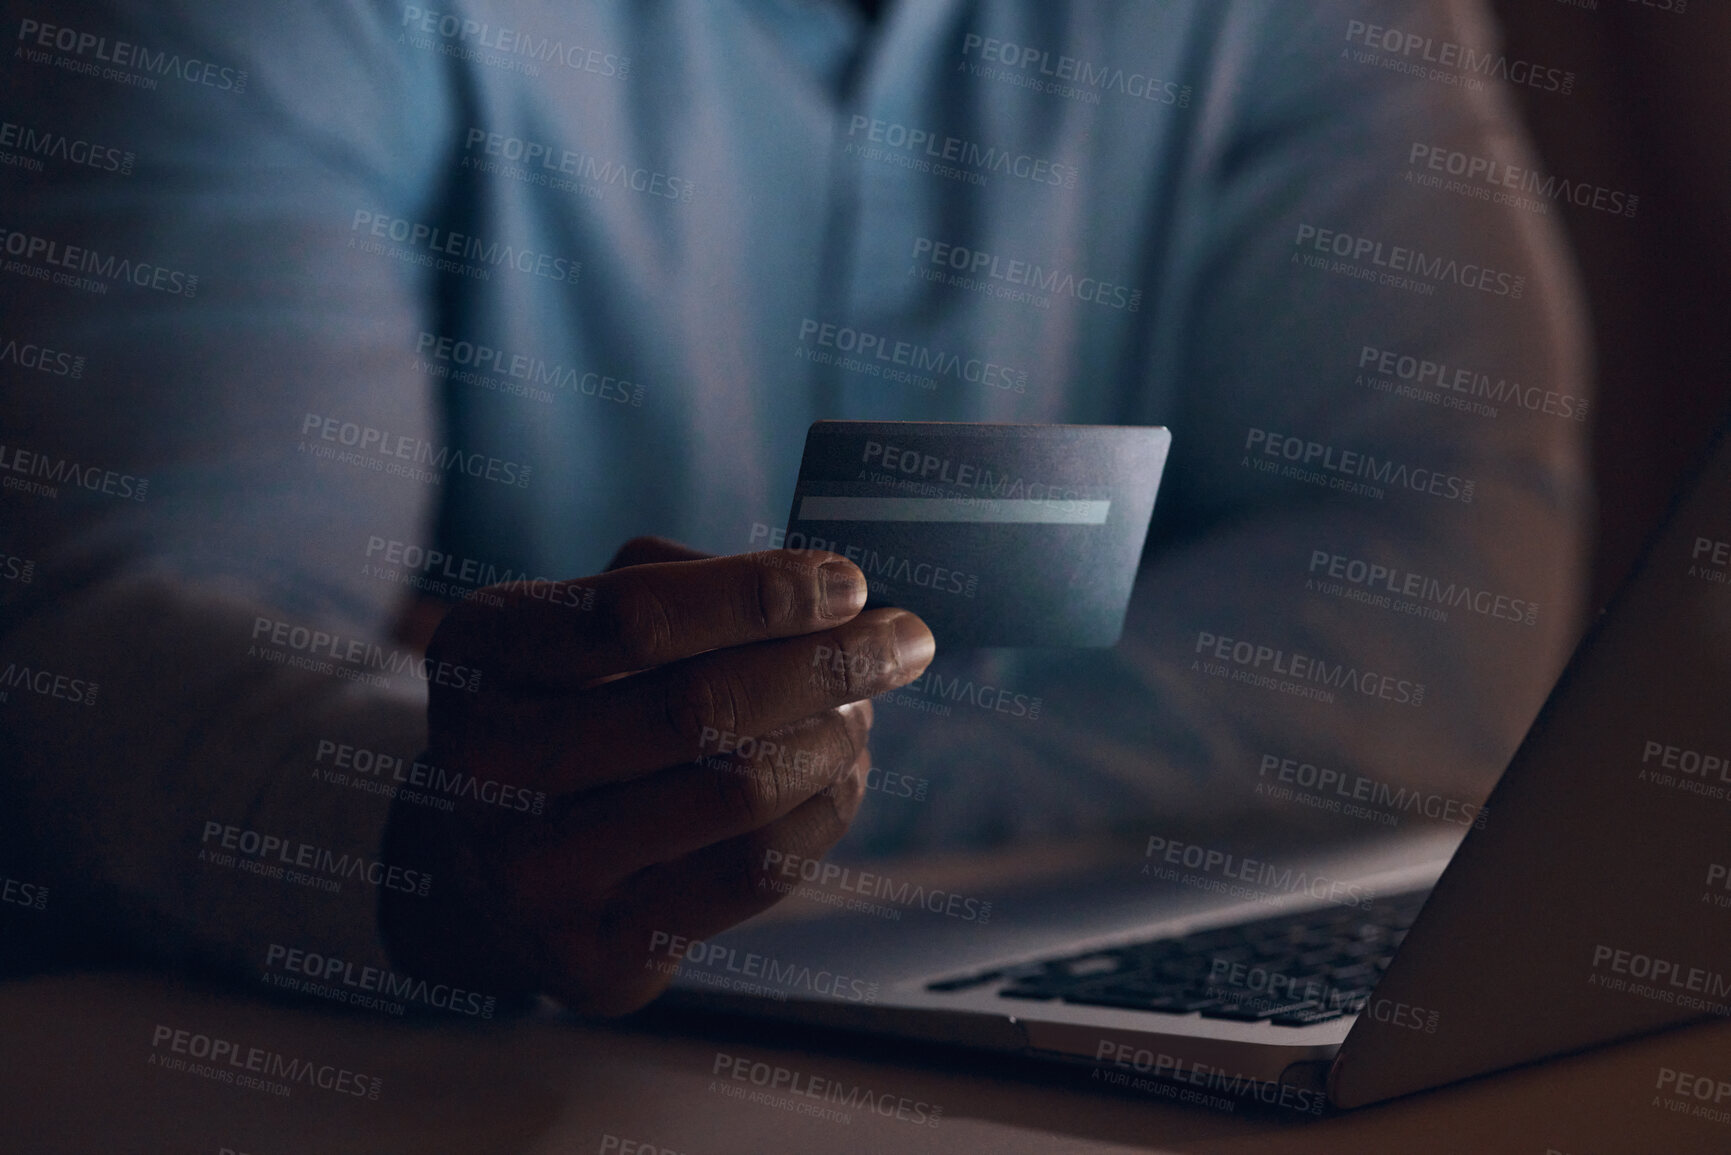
<point>624,697</point>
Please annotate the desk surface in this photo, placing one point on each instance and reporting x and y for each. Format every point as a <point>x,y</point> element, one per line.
<point>77,1055</point>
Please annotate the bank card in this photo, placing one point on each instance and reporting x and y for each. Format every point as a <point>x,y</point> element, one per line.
<point>996,535</point>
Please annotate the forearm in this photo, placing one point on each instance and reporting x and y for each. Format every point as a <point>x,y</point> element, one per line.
<point>146,811</point>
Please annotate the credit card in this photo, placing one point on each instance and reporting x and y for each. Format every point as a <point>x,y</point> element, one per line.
<point>996,535</point>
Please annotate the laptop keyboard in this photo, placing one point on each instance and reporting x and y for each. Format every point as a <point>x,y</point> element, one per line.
<point>1289,970</point>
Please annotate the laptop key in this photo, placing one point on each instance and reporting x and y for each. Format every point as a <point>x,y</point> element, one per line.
<point>1233,954</point>
<point>1050,987</point>
<point>1345,951</point>
<point>966,982</point>
<point>1255,1013</point>
<point>1211,940</point>
<point>1128,1000</point>
<point>1307,1018</point>
<point>1171,1000</point>
<point>1184,1004</point>
<point>1037,994</point>
<point>1272,948</point>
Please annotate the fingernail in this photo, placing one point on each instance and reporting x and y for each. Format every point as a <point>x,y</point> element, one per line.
<point>844,591</point>
<point>861,709</point>
<point>914,644</point>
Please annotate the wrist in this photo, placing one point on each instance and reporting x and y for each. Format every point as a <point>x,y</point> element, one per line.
<point>453,934</point>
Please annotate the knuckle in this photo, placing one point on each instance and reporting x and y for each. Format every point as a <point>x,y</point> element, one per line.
<point>636,624</point>
<point>696,701</point>
<point>747,796</point>
<point>898,670</point>
<point>841,667</point>
<point>770,599</point>
<point>843,739</point>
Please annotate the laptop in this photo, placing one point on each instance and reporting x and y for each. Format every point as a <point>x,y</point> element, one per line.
<point>1590,904</point>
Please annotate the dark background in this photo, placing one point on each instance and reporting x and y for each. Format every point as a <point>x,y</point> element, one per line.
<point>1649,115</point>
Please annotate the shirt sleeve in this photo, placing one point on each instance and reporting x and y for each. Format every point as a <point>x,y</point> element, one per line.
<point>201,634</point>
<point>1368,559</point>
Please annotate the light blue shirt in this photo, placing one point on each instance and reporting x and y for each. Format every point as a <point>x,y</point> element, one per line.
<point>513,283</point>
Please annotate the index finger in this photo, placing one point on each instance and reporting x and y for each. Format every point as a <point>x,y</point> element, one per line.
<point>543,635</point>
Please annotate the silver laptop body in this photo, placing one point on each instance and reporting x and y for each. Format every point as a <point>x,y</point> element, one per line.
<point>1584,909</point>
